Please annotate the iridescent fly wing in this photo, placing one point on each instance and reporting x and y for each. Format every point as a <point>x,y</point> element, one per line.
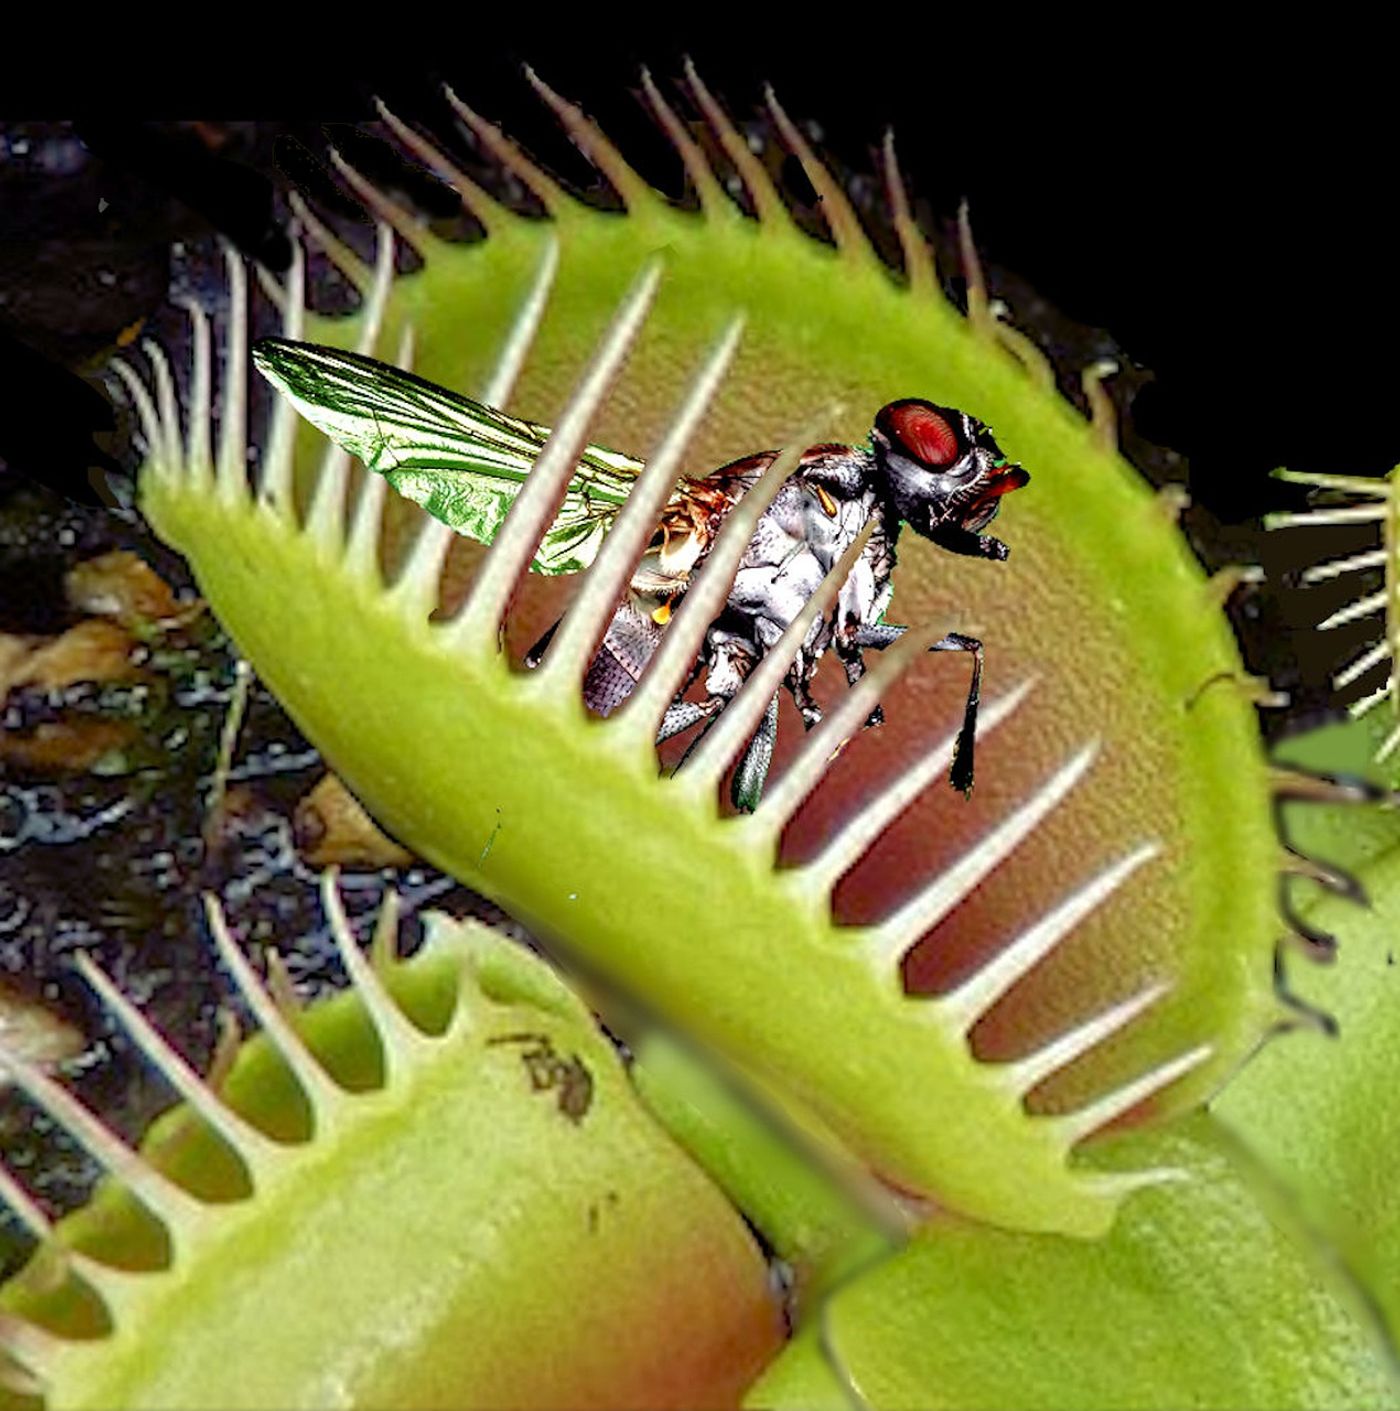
<point>462,461</point>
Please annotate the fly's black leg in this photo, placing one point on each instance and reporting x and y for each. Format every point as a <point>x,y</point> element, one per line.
<point>881,636</point>
<point>536,653</point>
<point>961,776</point>
<point>876,638</point>
<point>854,664</point>
<point>746,788</point>
<point>958,540</point>
<point>799,683</point>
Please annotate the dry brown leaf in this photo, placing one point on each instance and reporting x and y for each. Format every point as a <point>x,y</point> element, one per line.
<point>124,587</point>
<point>92,651</point>
<point>332,829</point>
<point>32,1031</point>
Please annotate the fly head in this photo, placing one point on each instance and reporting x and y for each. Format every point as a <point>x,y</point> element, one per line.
<point>943,472</point>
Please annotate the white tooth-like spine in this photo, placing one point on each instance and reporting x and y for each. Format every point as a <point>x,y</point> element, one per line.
<point>325,521</point>
<point>323,1095</point>
<point>275,484</point>
<point>258,1151</point>
<point>740,718</point>
<point>420,579</point>
<point>400,1039</point>
<point>345,260</point>
<point>1364,663</point>
<point>769,206</point>
<point>713,202</point>
<point>384,944</point>
<point>107,1279</point>
<point>24,1206</point>
<point>555,200</point>
<point>919,267</point>
<point>199,464</point>
<point>403,222</point>
<point>856,837</point>
<point>416,589</point>
<point>841,218</point>
<point>33,1348</point>
<point>1389,745</point>
<point>367,520</point>
<point>574,643</point>
<point>150,423</point>
<point>231,475</point>
<point>166,401</point>
<point>1369,702</point>
<point>635,194</point>
<point>524,329</point>
<point>169,1202</point>
<point>1029,1072</point>
<point>483,207</point>
<point>889,941</point>
<point>1345,514</point>
<point>1362,607</point>
<point>1074,1127</point>
<point>977,994</point>
<point>1354,563</point>
<point>477,626</point>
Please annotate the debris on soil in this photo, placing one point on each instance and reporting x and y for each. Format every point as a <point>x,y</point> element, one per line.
<point>45,685</point>
<point>123,586</point>
<point>331,828</point>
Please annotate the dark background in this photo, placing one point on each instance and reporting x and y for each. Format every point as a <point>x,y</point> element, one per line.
<point>1222,223</point>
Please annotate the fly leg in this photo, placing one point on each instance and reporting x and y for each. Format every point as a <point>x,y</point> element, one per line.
<point>746,788</point>
<point>681,715</point>
<point>880,636</point>
<point>961,776</point>
<point>799,683</point>
<point>536,653</point>
<point>848,645</point>
<point>731,657</point>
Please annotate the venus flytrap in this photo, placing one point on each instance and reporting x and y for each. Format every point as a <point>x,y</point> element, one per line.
<point>487,1186</point>
<point>955,995</point>
<point>1370,503</point>
<point>908,1097</point>
<point>1024,918</point>
<point>1209,1291</point>
<point>1321,1112</point>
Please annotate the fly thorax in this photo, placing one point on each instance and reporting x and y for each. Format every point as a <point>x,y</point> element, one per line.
<point>847,473</point>
<point>829,534</point>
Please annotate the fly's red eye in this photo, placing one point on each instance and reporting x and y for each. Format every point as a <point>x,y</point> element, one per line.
<point>925,434</point>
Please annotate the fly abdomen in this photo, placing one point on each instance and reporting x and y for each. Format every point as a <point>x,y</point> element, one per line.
<point>627,646</point>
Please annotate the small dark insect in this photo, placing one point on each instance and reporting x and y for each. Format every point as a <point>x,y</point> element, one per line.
<point>547,1070</point>
<point>932,467</point>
